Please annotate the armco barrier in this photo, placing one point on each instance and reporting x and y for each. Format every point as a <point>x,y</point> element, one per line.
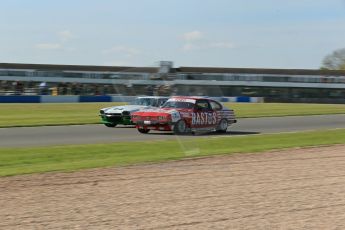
<point>105,98</point>
<point>243,99</point>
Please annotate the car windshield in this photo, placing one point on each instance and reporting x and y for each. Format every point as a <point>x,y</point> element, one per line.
<point>178,104</point>
<point>145,101</point>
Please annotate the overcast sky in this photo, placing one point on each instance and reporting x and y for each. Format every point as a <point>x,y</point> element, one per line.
<point>215,33</point>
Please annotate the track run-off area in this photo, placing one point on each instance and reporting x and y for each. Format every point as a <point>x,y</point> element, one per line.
<point>291,189</point>
<point>298,188</point>
<point>92,134</point>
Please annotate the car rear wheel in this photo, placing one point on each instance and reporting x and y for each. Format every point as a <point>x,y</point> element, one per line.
<point>110,125</point>
<point>143,130</point>
<point>180,127</point>
<point>222,126</point>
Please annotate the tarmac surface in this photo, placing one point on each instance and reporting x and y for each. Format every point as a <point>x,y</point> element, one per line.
<point>89,134</point>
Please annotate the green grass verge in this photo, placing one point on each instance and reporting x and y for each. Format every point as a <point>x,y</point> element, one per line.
<point>284,109</point>
<point>14,161</point>
<point>12,115</point>
<point>16,115</point>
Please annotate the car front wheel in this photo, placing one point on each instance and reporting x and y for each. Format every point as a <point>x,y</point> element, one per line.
<point>110,125</point>
<point>180,127</point>
<point>143,130</point>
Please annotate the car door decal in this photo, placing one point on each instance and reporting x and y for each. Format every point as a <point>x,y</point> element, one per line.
<point>204,118</point>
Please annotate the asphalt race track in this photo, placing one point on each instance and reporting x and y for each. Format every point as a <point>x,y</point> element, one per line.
<point>92,134</point>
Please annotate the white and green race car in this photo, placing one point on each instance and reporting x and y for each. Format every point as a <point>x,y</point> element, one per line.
<point>116,115</point>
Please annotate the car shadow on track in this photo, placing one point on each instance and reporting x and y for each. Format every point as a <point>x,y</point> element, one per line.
<point>125,126</point>
<point>229,133</point>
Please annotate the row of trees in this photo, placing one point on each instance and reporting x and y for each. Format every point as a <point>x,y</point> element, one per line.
<point>335,60</point>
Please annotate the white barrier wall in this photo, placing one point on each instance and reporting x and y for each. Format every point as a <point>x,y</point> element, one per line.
<point>122,98</point>
<point>59,99</point>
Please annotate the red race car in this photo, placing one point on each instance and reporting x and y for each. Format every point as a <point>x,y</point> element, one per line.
<point>185,114</point>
